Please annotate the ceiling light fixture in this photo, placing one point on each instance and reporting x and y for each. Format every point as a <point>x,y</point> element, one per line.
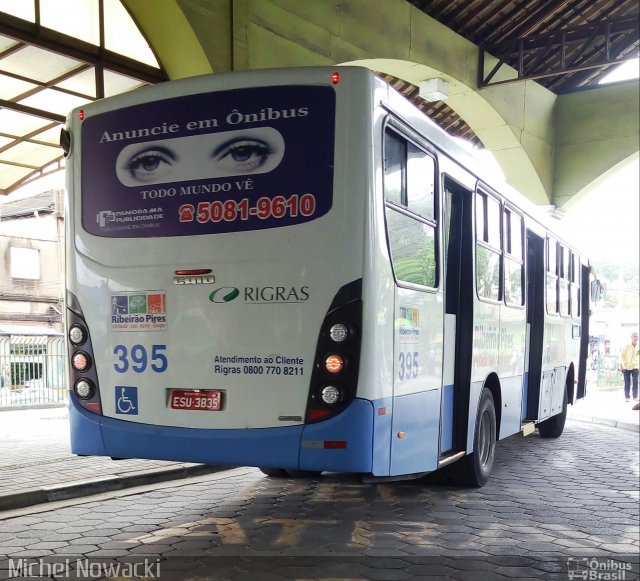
<point>433,89</point>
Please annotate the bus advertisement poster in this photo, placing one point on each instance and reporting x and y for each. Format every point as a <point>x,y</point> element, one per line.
<point>209,163</point>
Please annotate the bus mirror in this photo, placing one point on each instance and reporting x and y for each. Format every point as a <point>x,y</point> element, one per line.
<point>598,291</point>
<point>65,141</point>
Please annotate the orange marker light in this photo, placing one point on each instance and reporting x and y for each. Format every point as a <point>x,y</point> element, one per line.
<point>334,364</point>
<point>80,361</point>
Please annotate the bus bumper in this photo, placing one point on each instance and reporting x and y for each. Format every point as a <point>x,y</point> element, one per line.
<point>353,428</point>
<point>294,448</point>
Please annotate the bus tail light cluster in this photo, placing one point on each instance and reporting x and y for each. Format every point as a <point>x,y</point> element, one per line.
<point>335,373</point>
<point>83,377</point>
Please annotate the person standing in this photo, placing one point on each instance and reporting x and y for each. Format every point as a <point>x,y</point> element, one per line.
<point>629,367</point>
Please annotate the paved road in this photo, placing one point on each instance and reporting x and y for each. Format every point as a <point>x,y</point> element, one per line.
<point>36,463</point>
<point>551,507</point>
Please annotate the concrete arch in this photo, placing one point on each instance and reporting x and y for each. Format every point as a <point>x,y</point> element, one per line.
<point>600,180</point>
<point>543,143</point>
<point>487,122</point>
<point>596,133</point>
<point>172,37</point>
<point>249,34</point>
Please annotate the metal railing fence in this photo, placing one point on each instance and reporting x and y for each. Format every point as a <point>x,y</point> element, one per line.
<point>32,370</point>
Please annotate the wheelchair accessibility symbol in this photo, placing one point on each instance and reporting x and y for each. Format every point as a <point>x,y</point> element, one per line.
<point>127,400</point>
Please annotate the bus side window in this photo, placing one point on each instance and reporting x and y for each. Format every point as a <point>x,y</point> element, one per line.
<point>488,247</point>
<point>409,210</point>
<point>413,247</point>
<point>421,171</point>
<point>552,276</point>
<point>513,259</point>
<point>395,160</point>
<point>563,282</point>
<point>575,286</point>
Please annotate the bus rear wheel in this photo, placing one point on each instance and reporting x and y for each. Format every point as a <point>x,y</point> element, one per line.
<point>475,469</point>
<point>303,473</point>
<point>282,473</point>
<point>274,472</point>
<point>554,426</point>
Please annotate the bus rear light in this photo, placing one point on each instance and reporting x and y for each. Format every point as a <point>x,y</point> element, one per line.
<point>338,333</point>
<point>80,361</point>
<point>94,407</point>
<point>316,414</point>
<point>330,394</point>
<point>77,335</point>
<point>81,115</point>
<point>342,325</point>
<point>193,272</point>
<point>84,389</point>
<point>335,77</point>
<point>334,364</point>
<point>335,445</point>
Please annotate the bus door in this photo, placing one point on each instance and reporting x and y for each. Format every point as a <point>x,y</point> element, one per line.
<point>535,326</point>
<point>412,231</point>
<point>585,308</point>
<point>458,323</point>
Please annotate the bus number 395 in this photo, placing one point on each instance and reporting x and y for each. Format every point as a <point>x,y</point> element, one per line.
<point>137,358</point>
<point>407,365</point>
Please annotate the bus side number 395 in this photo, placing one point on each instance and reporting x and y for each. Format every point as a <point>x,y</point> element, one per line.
<point>138,359</point>
<point>407,365</point>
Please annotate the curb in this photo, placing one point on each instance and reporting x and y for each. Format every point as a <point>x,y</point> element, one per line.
<point>81,488</point>
<point>620,425</point>
<point>34,406</point>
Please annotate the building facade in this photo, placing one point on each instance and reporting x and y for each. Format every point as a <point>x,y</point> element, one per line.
<point>31,300</point>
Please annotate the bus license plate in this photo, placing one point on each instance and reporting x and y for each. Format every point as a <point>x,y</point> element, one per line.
<point>203,400</point>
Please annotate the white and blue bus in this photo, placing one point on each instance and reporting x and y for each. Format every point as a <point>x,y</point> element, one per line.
<point>297,270</point>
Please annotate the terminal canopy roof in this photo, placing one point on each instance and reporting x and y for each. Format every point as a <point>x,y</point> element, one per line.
<point>56,55</point>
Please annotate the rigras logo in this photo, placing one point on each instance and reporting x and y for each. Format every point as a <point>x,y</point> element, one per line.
<point>226,294</point>
<point>261,295</point>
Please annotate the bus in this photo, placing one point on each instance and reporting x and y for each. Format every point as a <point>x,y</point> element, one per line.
<point>297,270</point>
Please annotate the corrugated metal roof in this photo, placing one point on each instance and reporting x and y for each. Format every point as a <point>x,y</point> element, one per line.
<point>566,45</point>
